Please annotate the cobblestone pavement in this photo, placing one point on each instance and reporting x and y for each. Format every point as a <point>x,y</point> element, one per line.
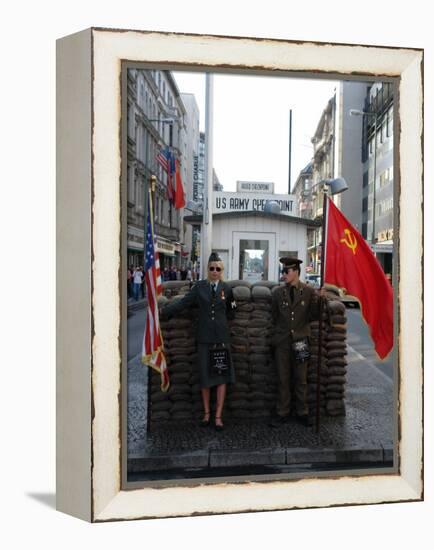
<point>366,428</point>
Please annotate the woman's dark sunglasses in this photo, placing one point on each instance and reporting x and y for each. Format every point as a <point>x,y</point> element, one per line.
<point>215,268</point>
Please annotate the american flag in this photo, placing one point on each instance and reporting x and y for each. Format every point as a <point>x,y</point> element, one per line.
<point>163,158</point>
<point>153,347</point>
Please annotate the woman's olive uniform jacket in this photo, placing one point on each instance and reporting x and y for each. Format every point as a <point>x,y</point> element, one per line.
<point>212,325</point>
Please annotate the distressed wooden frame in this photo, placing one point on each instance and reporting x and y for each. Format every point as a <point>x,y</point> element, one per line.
<point>89,160</point>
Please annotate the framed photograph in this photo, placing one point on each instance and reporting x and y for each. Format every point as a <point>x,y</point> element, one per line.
<point>190,158</point>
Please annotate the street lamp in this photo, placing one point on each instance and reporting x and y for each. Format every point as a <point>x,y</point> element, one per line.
<point>272,207</point>
<point>335,186</point>
<point>357,112</point>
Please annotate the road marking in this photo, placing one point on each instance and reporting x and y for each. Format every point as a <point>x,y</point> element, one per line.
<point>370,363</point>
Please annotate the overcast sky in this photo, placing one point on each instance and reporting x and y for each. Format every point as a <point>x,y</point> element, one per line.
<point>251,124</point>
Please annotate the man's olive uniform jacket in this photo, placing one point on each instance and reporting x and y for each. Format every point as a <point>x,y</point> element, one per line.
<point>291,321</point>
<point>212,324</point>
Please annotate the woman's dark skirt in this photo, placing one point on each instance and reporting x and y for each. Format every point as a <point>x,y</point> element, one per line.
<point>208,378</point>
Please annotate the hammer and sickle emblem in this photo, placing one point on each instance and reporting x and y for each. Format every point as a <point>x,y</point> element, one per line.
<point>350,240</point>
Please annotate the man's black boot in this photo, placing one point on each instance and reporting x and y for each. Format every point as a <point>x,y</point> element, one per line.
<point>305,420</point>
<point>277,421</point>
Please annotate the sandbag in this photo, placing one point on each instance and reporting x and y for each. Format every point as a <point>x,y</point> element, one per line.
<point>241,293</point>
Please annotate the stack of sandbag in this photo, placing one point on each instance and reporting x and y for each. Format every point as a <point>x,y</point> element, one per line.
<point>255,392</point>
<point>312,372</point>
<point>336,358</point>
<point>179,403</point>
<point>263,383</point>
<point>237,403</point>
<point>175,288</point>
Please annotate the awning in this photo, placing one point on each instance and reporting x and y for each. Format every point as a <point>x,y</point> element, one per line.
<point>164,246</point>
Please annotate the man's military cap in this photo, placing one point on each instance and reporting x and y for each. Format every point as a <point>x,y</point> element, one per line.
<point>293,263</point>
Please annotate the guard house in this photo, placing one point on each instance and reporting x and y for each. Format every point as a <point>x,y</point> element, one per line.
<point>251,241</point>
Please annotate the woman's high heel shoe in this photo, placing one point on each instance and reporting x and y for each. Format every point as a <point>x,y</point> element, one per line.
<point>218,427</point>
<point>204,423</point>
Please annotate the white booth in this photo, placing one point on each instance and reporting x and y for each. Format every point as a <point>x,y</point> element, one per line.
<point>250,243</point>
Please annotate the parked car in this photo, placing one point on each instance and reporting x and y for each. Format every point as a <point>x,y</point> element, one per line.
<point>347,299</point>
<point>313,279</point>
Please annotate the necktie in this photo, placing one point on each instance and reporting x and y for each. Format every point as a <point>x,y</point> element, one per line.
<point>213,289</point>
<point>292,293</point>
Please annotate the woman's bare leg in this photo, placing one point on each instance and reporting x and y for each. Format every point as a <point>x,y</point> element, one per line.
<point>205,400</point>
<point>221,394</point>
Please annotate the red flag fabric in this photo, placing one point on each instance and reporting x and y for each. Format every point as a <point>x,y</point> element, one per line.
<point>350,263</point>
<point>179,192</point>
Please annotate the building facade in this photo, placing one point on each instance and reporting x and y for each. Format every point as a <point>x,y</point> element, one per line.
<point>359,149</point>
<point>378,180</point>
<point>156,119</point>
<point>348,158</point>
<point>323,167</point>
<point>302,191</point>
<point>191,179</point>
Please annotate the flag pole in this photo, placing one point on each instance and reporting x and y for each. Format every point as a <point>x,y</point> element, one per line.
<point>321,309</point>
<point>206,235</point>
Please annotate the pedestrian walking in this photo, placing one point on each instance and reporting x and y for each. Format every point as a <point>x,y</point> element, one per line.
<point>130,281</point>
<point>137,282</point>
<point>294,305</point>
<point>216,304</point>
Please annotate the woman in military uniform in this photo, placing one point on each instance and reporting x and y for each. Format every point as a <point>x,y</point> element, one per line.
<point>216,304</point>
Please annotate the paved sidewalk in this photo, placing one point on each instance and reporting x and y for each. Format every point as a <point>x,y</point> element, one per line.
<point>363,436</point>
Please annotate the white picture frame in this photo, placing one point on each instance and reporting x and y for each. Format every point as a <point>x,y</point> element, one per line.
<point>89,424</point>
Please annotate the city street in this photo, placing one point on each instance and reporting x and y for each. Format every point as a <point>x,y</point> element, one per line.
<point>360,341</point>
<point>136,327</point>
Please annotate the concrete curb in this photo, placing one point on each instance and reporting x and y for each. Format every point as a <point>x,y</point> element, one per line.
<point>264,457</point>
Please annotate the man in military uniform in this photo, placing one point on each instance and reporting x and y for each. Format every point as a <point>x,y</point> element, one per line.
<point>294,305</point>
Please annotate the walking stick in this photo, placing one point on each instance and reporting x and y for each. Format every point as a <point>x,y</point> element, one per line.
<point>321,310</point>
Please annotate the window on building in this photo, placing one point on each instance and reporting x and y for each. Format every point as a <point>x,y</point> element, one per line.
<point>131,121</point>
<point>383,131</point>
<point>142,95</point>
<point>390,122</point>
<point>130,183</point>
